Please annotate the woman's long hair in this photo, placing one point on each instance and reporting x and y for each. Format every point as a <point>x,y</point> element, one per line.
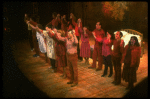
<point>136,41</point>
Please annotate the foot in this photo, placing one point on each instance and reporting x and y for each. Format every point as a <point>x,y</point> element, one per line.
<point>98,69</point>
<point>79,60</point>
<point>110,75</point>
<point>113,82</point>
<point>35,55</point>
<point>103,75</point>
<point>74,84</point>
<point>117,83</point>
<point>91,67</point>
<point>70,82</point>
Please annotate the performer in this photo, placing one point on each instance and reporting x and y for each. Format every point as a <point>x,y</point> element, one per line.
<point>85,46</point>
<point>27,18</point>
<point>106,52</point>
<point>72,57</point>
<point>40,38</point>
<point>131,59</point>
<point>116,56</point>
<point>35,42</point>
<point>64,23</point>
<point>50,47</point>
<point>70,25</point>
<point>97,52</point>
<point>77,33</point>
<point>56,20</point>
<point>60,50</point>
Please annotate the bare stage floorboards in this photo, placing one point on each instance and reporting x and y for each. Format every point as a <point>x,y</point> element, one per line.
<point>90,85</point>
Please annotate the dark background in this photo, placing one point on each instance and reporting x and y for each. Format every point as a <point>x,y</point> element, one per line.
<point>15,29</point>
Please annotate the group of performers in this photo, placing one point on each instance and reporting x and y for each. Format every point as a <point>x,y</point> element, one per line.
<point>59,41</point>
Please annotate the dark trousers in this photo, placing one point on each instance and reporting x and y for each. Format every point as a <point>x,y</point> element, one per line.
<point>117,67</point>
<point>108,62</point>
<point>30,39</point>
<point>52,63</point>
<point>78,49</point>
<point>35,43</point>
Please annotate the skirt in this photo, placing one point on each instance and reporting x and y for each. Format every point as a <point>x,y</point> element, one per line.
<point>129,73</point>
<point>85,49</point>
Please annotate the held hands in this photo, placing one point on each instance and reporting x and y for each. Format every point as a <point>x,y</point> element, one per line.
<point>121,43</point>
<point>94,34</point>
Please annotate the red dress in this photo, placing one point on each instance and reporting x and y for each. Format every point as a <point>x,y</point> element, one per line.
<point>131,59</point>
<point>85,46</point>
<point>60,48</point>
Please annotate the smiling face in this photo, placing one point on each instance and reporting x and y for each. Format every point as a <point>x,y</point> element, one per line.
<point>117,35</point>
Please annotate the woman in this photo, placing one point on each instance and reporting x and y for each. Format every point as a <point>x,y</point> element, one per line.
<point>131,59</point>
<point>106,52</point>
<point>85,46</point>
<point>72,57</point>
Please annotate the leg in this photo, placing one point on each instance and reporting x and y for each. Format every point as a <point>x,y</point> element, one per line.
<point>94,57</point>
<point>100,58</point>
<point>106,66</point>
<point>114,64</point>
<point>118,71</point>
<point>70,70</point>
<point>110,65</point>
<point>75,70</point>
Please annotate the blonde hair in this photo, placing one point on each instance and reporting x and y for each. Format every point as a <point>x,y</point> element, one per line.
<point>62,32</point>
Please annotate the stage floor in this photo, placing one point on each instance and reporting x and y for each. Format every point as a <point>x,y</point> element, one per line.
<point>90,84</point>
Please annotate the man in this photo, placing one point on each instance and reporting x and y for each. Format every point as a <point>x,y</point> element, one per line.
<point>56,20</point>
<point>97,52</point>
<point>35,42</point>
<point>116,56</point>
<point>27,18</point>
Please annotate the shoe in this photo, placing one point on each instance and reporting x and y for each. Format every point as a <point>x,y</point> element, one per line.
<point>35,55</point>
<point>113,82</point>
<point>110,75</point>
<point>32,49</point>
<point>117,83</point>
<point>103,75</point>
<point>70,82</point>
<point>74,84</point>
<point>98,69</point>
<point>91,67</point>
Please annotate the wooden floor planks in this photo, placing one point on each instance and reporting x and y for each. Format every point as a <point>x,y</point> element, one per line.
<point>90,85</point>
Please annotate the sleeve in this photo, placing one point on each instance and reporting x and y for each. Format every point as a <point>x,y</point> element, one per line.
<point>122,47</point>
<point>75,39</point>
<point>124,53</point>
<point>73,22</point>
<point>89,32</point>
<point>61,38</point>
<point>80,30</point>
<point>135,57</point>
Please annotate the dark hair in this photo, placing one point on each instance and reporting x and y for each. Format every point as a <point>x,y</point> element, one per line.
<point>49,26</point>
<point>136,41</point>
<point>121,34</point>
<point>40,26</point>
<point>54,13</point>
<point>111,33</point>
<point>70,23</point>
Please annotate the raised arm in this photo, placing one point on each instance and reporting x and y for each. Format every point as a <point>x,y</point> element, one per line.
<point>33,27</point>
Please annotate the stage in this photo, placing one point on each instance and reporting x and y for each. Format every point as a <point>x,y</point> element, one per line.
<point>90,85</point>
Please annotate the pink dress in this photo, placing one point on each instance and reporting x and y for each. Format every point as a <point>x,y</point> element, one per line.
<point>85,46</point>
